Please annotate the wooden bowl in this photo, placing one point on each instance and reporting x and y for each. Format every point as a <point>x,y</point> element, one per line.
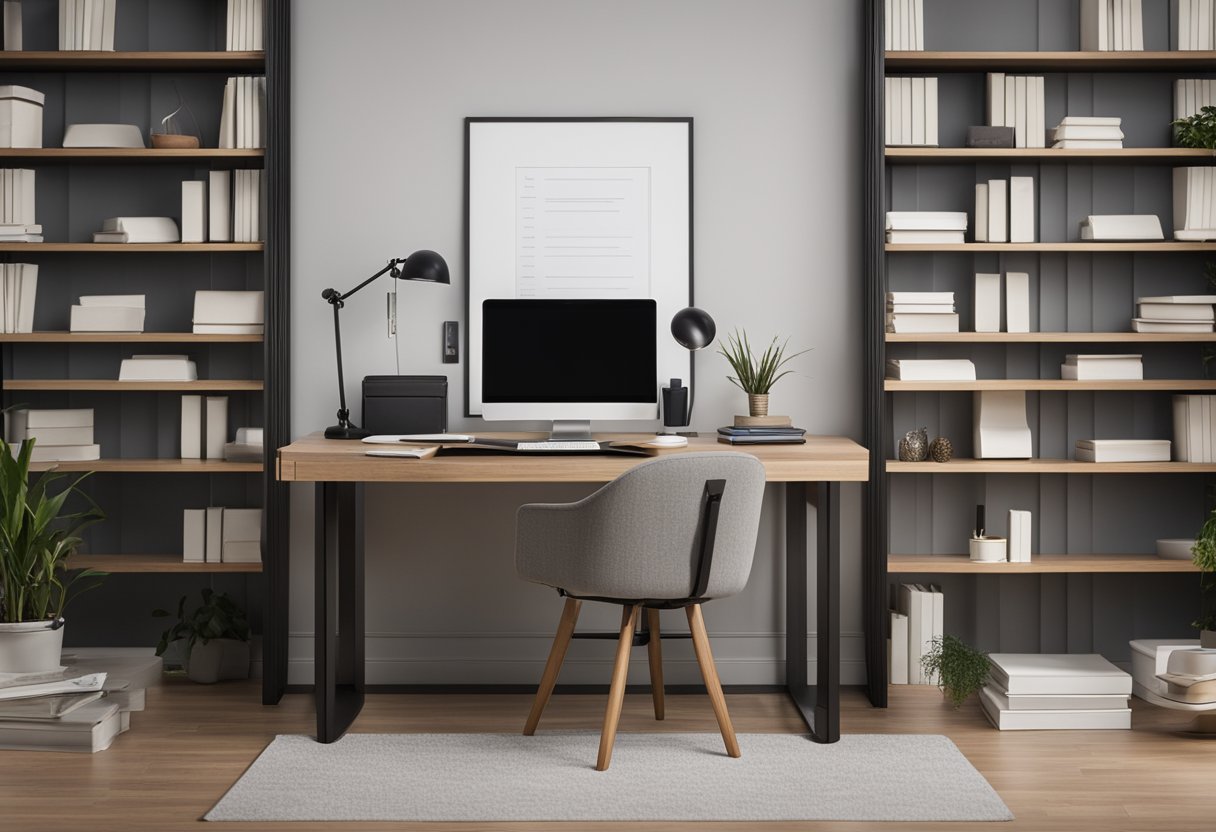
<point>169,141</point>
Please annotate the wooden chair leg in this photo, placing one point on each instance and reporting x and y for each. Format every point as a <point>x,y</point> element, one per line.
<point>557,653</point>
<point>616,693</point>
<point>700,643</point>
<point>655,652</point>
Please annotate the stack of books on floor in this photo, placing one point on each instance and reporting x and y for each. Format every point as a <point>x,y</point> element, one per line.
<point>1102,367</point>
<point>87,25</point>
<point>57,711</point>
<point>1195,204</point>
<point>158,368</point>
<point>58,435</point>
<point>1190,677</point>
<point>108,313</point>
<point>17,207</point>
<point>1193,94</point>
<point>930,369</point>
<point>242,120</point>
<point>1017,101</point>
<point>18,289</point>
<point>1196,19</point>
<point>1122,450</point>
<point>1044,691</point>
<point>1194,428</point>
<point>921,312</point>
<point>245,26</point>
<point>138,230</point>
<point>222,535</point>
<point>229,313</point>
<point>911,114</point>
<point>1113,25</point>
<point>1088,133</point>
<point>1004,211</point>
<point>905,29</point>
<point>914,626</point>
<point>934,227</point>
<point>762,430</point>
<point>1175,313</point>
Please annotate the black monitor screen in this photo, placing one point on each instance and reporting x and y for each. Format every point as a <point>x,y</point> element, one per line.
<point>569,351</point>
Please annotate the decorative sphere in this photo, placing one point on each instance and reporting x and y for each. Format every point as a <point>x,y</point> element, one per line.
<point>941,449</point>
<point>914,447</point>
<point>693,328</point>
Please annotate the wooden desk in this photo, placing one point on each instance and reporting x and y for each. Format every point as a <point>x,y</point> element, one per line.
<point>340,468</point>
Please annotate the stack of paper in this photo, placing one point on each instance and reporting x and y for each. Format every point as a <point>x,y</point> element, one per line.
<point>58,435</point>
<point>18,289</point>
<point>243,118</point>
<point>921,312</point>
<point>1194,428</point>
<point>1088,133</point>
<point>1196,19</point>
<point>222,535</point>
<point>1195,204</point>
<point>20,114</point>
<point>230,313</point>
<point>158,368</point>
<point>1005,211</point>
<point>87,25</point>
<point>1017,101</point>
<point>929,369</point>
<point>108,313</point>
<point>911,112</point>
<point>905,30</point>
<point>1112,25</point>
<point>1175,313</point>
<point>922,608</point>
<point>1121,227</point>
<point>137,230</point>
<point>1030,691</point>
<point>1122,450</point>
<point>1102,367</point>
<point>926,226</point>
<point>245,26</point>
<point>17,207</point>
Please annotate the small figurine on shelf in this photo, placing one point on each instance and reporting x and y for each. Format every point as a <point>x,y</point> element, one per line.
<point>941,449</point>
<point>914,447</point>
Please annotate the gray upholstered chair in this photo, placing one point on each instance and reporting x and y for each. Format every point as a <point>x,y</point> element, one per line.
<point>670,533</point>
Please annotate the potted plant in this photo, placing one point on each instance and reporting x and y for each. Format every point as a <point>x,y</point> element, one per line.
<point>961,670</point>
<point>755,374</point>
<point>216,636</point>
<point>1203,554</point>
<point>1198,130</point>
<point>37,536</point>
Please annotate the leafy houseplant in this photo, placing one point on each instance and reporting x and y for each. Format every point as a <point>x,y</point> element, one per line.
<point>961,670</point>
<point>1203,554</point>
<point>756,374</point>
<point>216,635</point>
<point>1198,130</point>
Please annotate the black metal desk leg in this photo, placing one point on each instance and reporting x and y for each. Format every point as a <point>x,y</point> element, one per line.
<point>339,607</point>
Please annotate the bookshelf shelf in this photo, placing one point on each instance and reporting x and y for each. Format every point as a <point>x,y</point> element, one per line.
<point>1046,466</point>
<point>1153,384</point>
<point>156,564</point>
<point>1050,61</point>
<point>105,385</point>
<point>81,61</point>
<point>970,155</point>
<point>1038,564</point>
<point>153,466</point>
<point>126,338</point>
<point>129,248</point>
<point>977,248</point>
<point>1049,337</point>
<point>225,157</point>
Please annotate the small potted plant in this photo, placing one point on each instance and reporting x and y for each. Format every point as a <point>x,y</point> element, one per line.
<point>1198,130</point>
<point>960,670</point>
<point>37,536</point>
<point>1203,554</point>
<point>756,374</point>
<point>215,636</point>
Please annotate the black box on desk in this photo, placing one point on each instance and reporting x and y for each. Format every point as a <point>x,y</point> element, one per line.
<point>405,404</point>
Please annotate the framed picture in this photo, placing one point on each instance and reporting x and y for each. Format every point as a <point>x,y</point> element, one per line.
<point>578,208</point>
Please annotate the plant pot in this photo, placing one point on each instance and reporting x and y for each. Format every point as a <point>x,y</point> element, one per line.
<point>30,646</point>
<point>757,404</point>
<point>1207,639</point>
<point>218,659</point>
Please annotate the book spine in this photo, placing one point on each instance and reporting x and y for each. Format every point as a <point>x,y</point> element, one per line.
<point>216,426</point>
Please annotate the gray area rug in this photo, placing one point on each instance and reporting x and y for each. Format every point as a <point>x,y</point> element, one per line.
<point>654,777</point>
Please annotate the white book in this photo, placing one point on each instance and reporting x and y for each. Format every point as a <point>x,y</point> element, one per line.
<point>1145,325</point>
<point>65,453</point>
<point>113,300</point>
<point>1021,209</point>
<point>259,207</point>
<point>256,42</point>
<point>1117,26</point>
<point>1091,121</point>
<point>1056,673</point>
<point>918,24</point>
<point>59,418</point>
<point>888,11</point>
<point>922,297</point>
<point>106,319</point>
<point>12,26</point>
<point>229,36</point>
<point>27,281</point>
<point>1122,227</point>
<point>259,110</point>
<point>899,649</point>
<point>1094,25</point>
<point>96,22</point>
<point>931,110</point>
<point>1035,116</point>
<point>1094,133</point>
<point>144,229</point>
<point>937,628</point>
<point>996,99</point>
<point>194,535</point>
<point>1102,372</point>
<point>1008,720</point>
<point>229,329</point>
<point>931,369</point>
<point>10,298</point>
<point>241,551</point>
<point>215,535</point>
<point>194,211</point>
<point>888,132</point>
<point>1186,25</point>
<point>65,15</point>
<point>926,221</point>
<point>107,25</point>
<point>1011,105</point>
<point>87,729</point>
<point>918,111</point>
<point>981,212</point>
<point>216,411</point>
<point>158,368</point>
<point>926,237</point>
<point>228,115</point>
<point>920,308</point>
<point>999,426</point>
<point>192,427</point>
<point>897,26</point>
<point>1137,15</point>
<point>247,114</point>
<point>1021,131</point>
<point>242,524</point>
<point>1086,144</point>
<point>987,303</point>
<point>1204,429</point>
<point>27,200</point>
<point>1017,302</point>
<point>998,222</point>
<point>913,604</point>
<point>1204,299</point>
<point>1189,312</point>
<point>1063,702</point>
<point>923,323</point>
<point>1019,536</point>
<point>905,104</point>
<point>79,435</point>
<point>1147,450</point>
<point>1203,26</point>
<point>239,179</point>
<point>229,307</point>
<point>219,203</point>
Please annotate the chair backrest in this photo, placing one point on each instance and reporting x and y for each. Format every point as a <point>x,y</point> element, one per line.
<point>639,537</point>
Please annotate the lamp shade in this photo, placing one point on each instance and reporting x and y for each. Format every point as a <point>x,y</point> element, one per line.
<point>425,265</point>
<point>693,328</point>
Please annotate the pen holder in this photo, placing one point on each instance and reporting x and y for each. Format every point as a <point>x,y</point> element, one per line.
<point>988,549</point>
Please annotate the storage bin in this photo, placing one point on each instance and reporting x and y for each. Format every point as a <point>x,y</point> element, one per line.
<point>20,116</point>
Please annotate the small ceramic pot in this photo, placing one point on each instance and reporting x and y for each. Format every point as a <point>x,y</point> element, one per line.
<point>218,659</point>
<point>757,404</point>
<point>989,549</point>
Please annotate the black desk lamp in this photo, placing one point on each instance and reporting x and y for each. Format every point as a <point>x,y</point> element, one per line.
<point>423,265</point>
<point>694,330</point>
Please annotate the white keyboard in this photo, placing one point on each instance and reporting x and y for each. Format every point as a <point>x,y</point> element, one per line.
<point>559,445</point>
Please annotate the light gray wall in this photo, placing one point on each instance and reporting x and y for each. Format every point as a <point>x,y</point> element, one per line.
<point>380,90</point>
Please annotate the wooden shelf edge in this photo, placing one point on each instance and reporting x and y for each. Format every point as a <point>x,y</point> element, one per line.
<point>1097,247</point>
<point>1164,155</point>
<point>152,466</point>
<point>1038,564</point>
<point>1048,385</point>
<point>1047,337</point>
<point>129,153</point>
<point>76,60</point>
<point>156,564</point>
<point>130,248</point>
<point>1074,61</point>
<point>58,337</point>
<point>1046,466</point>
<point>110,385</point>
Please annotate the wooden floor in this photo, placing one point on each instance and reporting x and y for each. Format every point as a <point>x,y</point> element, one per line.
<point>193,742</point>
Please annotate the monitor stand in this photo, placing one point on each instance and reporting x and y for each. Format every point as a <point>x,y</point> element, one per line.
<point>570,430</point>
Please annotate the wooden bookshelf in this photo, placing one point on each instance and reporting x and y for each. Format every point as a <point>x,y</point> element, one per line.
<point>129,248</point>
<point>1050,61</point>
<point>1038,564</point>
<point>156,564</point>
<point>1046,466</point>
<point>107,385</point>
<point>126,338</point>
<point>153,466</point>
<point>978,248</point>
<point>1049,337</point>
<point>1017,155</point>
<point>1152,384</point>
<point>225,157</point>
<point>82,61</point>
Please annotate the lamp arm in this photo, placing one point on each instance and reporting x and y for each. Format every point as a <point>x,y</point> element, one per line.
<point>335,297</point>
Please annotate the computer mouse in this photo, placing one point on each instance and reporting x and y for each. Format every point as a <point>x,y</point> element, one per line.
<point>668,441</point>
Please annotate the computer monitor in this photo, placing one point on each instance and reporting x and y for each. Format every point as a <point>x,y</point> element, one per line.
<point>569,361</point>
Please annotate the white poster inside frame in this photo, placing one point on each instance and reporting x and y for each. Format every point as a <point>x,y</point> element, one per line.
<point>579,208</point>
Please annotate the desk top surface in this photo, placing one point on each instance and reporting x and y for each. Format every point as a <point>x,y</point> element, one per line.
<point>313,458</point>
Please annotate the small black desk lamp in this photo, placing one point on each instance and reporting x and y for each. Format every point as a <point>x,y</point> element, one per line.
<point>694,330</point>
<point>423,265</point>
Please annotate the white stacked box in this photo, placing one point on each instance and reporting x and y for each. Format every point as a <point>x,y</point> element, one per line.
<point>1088,133</point>
<point>921,312</point>
<point>926,227</point>
<point>1175,313</point>
<point>21,116</point>
<point>232,313</point>
<point>1128,367</point>
<point>58,435</point>
<point>108,313</point>
<point>1032,691</point>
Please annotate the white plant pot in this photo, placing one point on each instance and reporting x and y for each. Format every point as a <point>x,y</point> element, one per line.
<point>1207,639</point>
<point>30,646</point>
<point>218,659</point>
<point>989,549</point>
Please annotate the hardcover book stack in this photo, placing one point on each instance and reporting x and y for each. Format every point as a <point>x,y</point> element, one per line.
<point>1122,450</point>
<point>1017,101</point>
<point>18,290</point>
<point>775,430</point>
<point>1113,25</point>
<point>1121,227</point>
<point>158,368</point>
<point>1033,691</point>
<point>1004,211</point>
<point>1088,133</point>
<point>17,222</point>
<point>1194,428</point>
<point>921,312</point>
<point>58,435</point>
<point>138,230</point>
<point>87,25</point>
<point>1102,367</point>
<point>911,112</point>
<point>222,535</point>
<point>931,227</point>
<point>229,313</point>
<point>1195,204</point>
<point>930,369</point>
<point>905,29</point>
<point>917,622</point>
<point>1175,313</point>
<point>245,26</point>
<point>108,313</point>
<point>1196,25</point>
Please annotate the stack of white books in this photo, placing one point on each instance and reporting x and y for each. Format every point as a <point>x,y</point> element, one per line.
<point>1122,450</point>
<point>1175,313</point>
<point>1121,227</point>
<point>57,711</point>
<point>87,25</point>
<point>138,230</point>
<point>1088,133</point>
<point>17,207</point>
<point>931,369</point>
<point>914,626</point>
<point>921,312</point>
<point>905,29</point>
<point>158,368</point>
<point>1193,94</point>
<point>1004,211</point>
<point>1195,204</point>
<point>222,535</point>
<point>1045,691</point>
<point>242,121</point>
<point>911,112</point>
<point>58,435</point>
<point>1102,367</point>
<point>934,227</point>
<point>18,289</point>
<point>108,313</point>
<point>245,26</point>
<point>1196,22</point>
<point>1017,101</point>
<point>229,313</point>
<point>1194,428</point>
<point>1112,25</point>
<point>204,427</point>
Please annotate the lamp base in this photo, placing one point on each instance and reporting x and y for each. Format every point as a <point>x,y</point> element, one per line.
<point>346,432</point>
